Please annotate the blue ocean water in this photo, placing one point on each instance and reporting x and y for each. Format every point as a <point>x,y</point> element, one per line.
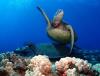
<point>20,21</point>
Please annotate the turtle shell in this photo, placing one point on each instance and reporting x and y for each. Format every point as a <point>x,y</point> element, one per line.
<point>59,35</point>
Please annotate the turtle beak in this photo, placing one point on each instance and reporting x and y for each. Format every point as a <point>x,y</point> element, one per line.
<point>59,15</point>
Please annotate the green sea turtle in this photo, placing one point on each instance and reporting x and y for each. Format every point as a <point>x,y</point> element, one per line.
<point>58,30</point>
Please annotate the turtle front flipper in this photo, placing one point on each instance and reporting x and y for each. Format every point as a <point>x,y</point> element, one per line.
<point>72,37</point>
<point>45,16</point>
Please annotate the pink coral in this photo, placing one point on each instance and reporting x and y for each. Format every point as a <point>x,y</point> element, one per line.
<point>41,65</point>
<point>67,63</point>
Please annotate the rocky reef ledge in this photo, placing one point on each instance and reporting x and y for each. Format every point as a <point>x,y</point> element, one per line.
<point>55,52</point>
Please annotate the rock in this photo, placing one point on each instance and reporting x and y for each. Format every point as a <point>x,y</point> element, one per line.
<point>25,51</point>
<point>52,51</point>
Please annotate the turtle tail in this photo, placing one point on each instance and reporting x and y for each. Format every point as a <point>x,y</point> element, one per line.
<point>72,37</point>
<point>45,16</point>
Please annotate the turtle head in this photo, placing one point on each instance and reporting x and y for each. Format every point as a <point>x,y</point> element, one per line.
<point>58,17</point>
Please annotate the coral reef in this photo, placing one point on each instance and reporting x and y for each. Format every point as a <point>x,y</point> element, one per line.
<point>15,65</point>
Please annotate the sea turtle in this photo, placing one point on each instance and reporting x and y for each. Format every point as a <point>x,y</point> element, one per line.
<point>58,30</point>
